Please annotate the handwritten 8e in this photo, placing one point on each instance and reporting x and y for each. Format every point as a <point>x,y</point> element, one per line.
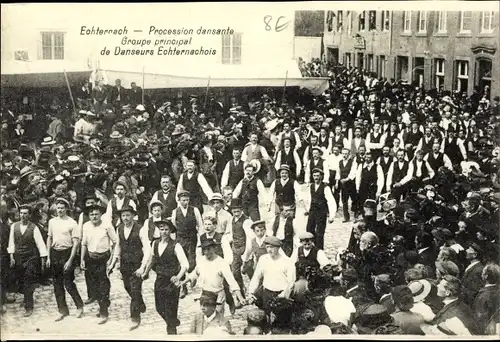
<point>279,24</point>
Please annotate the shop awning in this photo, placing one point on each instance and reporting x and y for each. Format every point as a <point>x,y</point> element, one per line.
<point>158,81</point>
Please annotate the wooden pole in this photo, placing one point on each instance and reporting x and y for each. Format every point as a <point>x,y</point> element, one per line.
<point>206,93</point>
<point>284,87</point>
<point>143,89</point>
<point>70,93</point>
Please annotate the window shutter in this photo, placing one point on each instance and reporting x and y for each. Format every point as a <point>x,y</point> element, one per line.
<point>39,46</point>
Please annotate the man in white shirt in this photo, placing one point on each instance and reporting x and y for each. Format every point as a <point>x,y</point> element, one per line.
<point>284,190</point>
<point>132,249</point>
<point>307,254</point>
<point>119,200</point>
<point>251,190</point>
<point>322,207</point>
<point>369,179</point>
<point>62,244</point>
<point>276,273</point>
<point>287,155</point>
<point>345,181</point>
<point>286,229</point>
<point>223,217</point>
<point>295,142</point>
<point>419,172</point>
<point>212,271</point>
<point>98,241</point>
<point>316,162</point>
<point>437,159</point>
<point>195,183</point>
<point>27,249</point>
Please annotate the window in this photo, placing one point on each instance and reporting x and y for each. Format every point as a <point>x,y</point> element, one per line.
<point>407,21</point>
<point>422,21</point>
<point>52,45</point>
<point>329,21</point>
<point>487,21</point>
<point>386,23</point>
<point>340,22</point>
<point>372,20</point>
<point>462,72</point>
<point>442,18</point>
<point>361,19</point>
<point>465,21</point>
<point>360,60</point>
<point>231,49</point>
<point>382,66</point>
<point>402,68</point>
<point>439,73</point>
<point>349,22</point>
<point>369,61</point>
<point>348,60</point>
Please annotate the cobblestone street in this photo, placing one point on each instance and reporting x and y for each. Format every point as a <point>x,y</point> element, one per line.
<point>41,324</point>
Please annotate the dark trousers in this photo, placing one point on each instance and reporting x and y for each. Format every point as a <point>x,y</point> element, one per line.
<point>188,244</point>
<point>236,266</point>
<point>64,280</point>
<point>133,286</point>
<point>6,277</point>
<point>167,302</point>
<point>287,247</point>
<point>264,297</point>
<point>90,289</point>
<point>399,192</point>
<point>27,272</point>
<point>252,211</point>
<point>348,191</point>
<point>96,267</point>
<point>316,224</point>
<point>366,191</point>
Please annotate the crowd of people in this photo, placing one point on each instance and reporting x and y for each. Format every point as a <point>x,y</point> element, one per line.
<point>178,187</point>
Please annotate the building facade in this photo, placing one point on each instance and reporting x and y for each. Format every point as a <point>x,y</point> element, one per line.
<point>456,50</point>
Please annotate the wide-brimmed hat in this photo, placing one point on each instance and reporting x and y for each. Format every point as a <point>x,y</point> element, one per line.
<point>178,130</point>
<point>258,223</point>
<point>317,148</point>
<point>127,208</point>
<point>209,243</point>
<point>48,141</point>
<point>255,164</point>
<point>284,167</point>
<point>270,125</point>
<point>115,184</point>
<point>420,289</point>
<point>168,222</point>
<point>372,316</point>
<point>216,197</point>
<point>116,135</point>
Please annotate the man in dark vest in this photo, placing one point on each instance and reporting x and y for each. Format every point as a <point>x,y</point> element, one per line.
<point>385,161</point>
<point>157,214</point>
<point>397,171</point>
<point>437,159</point>
<point>249,189</point>
<point>170,264</point>
<point>369,179</point>
<point>290,135</point>
<point>427,141</point>
<point>255,248</point>
<point>27,250</point>
<point>188,224</point>
<point>166,195</point>
<point>284,190</point>
<point>322,205</point>
<point>375,141</point>
<point>453,148</point>
<point>233,172</point>
<point>119,200</point>
<point>316,162</point>
<point>195,183</point>
<point>288,156</point>
<point>419,172</point>
<point>307,254</point>
<point>242,233</point>
<point>345,181</point>
<point>285,228</point>
<point>132,248</point>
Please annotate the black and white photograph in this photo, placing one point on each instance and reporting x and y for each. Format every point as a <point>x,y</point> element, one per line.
<point>211,171</point>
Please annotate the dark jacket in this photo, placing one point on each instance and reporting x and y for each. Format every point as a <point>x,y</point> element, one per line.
<point>460,310</point>
<point>472,282</point>
<point>486,304</point>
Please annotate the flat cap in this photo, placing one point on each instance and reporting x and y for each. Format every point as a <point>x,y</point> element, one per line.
<point>306,235</point>
<point>273,241</point>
